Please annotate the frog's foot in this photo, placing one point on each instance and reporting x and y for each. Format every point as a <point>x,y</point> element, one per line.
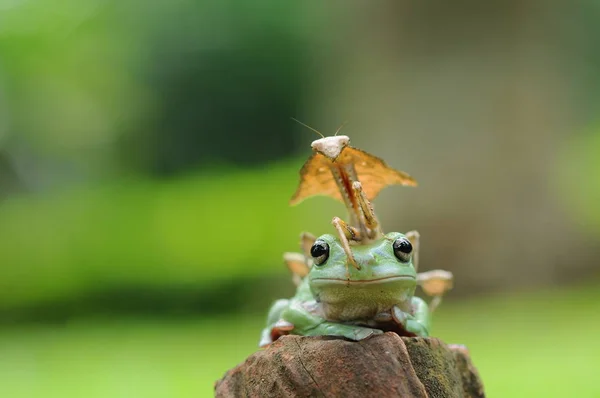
<point>399,316</point>
<point>400,322</point>
<point>364,333</point>
<point>383,317</point>
<point>278,329</point>
<point>416,328</point>
<point>351,332</point>
<point>393,320</point>
<point>409,324</point>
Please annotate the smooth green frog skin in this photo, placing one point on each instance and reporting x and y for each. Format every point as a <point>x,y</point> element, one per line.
<point>339,300</point>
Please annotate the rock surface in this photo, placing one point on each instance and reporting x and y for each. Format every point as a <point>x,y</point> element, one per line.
<point>381,366</point>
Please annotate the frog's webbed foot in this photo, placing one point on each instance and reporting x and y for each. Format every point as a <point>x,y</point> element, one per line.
<point>416,328</point>
<point>350,332</point>
<point>391,321</point>
<point>404,323</point>
<point>399,316</point>
<point>363,333</point>
<point>383,317</point>
<point>417,322</point>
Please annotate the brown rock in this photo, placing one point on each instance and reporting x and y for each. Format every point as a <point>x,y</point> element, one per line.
<point>382,366</point>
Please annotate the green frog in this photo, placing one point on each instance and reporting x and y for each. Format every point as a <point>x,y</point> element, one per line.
<point>352,302</point>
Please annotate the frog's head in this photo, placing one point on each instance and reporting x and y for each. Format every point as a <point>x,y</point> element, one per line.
<point>386,276</point>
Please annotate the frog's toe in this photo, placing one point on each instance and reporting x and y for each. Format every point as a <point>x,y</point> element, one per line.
<point>363,333</point>
<point>283,325</point>
<point>383,317</point>
<point>399,316</point>
<point>417,328</point>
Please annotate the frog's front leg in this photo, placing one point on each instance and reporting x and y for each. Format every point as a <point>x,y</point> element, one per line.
<point>416,322</point>
<point>275,325</point>
<point>420,322</point>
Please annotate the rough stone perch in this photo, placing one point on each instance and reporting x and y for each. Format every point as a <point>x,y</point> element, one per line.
<point>381,366</point>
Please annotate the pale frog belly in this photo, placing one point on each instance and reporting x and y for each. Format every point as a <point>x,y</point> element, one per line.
<point>347,302</point>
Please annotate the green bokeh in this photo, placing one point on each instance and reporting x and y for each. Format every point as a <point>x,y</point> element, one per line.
<point>196,231</point>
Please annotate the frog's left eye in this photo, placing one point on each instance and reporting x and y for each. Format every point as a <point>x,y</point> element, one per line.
<point>319,252</point>
<point>402,249</point>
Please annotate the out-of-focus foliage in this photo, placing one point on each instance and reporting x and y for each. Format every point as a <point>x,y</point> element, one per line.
<point>93,89</point>
<point>67,85</point>
<point>195,231</point>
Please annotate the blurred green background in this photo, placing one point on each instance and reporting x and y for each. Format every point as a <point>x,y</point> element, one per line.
<point>147,157</point>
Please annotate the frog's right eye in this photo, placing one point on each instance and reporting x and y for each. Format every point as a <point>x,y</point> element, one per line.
<point>319,252</point>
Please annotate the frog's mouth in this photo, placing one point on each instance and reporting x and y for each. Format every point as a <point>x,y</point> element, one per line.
<point>392,278</point>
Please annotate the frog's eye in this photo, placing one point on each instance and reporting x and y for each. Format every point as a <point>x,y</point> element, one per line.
<point>319,252</point>
<point>402,249</point>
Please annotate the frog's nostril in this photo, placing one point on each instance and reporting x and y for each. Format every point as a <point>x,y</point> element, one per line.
<point>369,260</point>
<point>365,260</point>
